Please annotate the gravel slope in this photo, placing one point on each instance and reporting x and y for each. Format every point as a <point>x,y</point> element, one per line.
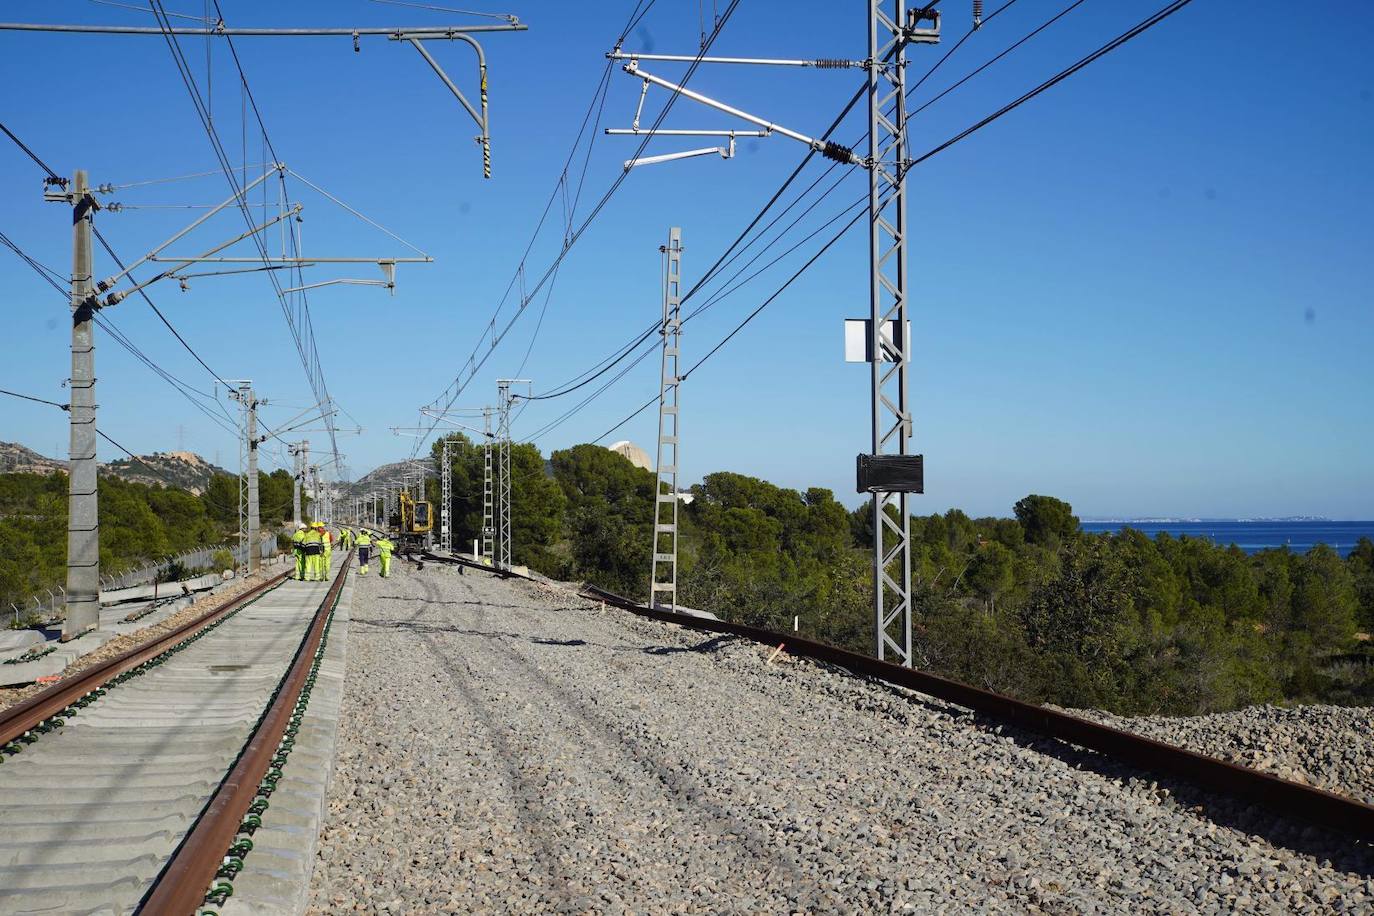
<point>1327,746</point>
<point>507,749</point>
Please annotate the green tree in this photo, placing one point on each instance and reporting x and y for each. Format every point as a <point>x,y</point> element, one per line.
<point>991,573</point>
<point>1084,625</point>
<point>1047,521</point>
<point>1324,602</point>
<point>1361,563</point>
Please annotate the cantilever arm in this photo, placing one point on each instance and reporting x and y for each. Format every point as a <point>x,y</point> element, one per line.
<point>481,119</point>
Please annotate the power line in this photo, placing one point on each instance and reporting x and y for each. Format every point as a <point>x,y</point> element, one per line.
<point>750,317</point>
<point>302,334</point>
<point>34,156</point>
<point>37,400</point>
<point>1117,42</point>
<point>157,311</point>
<point>155,472</point>
<point>731,254</point>
<point>1025,38</point>
<point>473,365</point>
<point>1139,28</point>
<point>118,336</point>
<point>47,273</point>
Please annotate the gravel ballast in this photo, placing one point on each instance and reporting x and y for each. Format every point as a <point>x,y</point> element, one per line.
<point>505,748</point>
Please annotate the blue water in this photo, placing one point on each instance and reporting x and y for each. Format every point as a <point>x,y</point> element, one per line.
<point>1254,536</point>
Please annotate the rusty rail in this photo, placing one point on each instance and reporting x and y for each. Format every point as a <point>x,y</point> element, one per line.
<point>181,886</point>
<point>1290,799</point>
<point>23,716</point>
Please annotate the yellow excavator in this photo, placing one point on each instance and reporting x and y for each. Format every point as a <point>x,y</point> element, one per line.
<point>415,523</point>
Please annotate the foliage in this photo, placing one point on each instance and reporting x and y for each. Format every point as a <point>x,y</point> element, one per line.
<point>1027,605</point>
<point>139,523</point>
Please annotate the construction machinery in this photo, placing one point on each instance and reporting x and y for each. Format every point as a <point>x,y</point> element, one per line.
<point>415,522</point>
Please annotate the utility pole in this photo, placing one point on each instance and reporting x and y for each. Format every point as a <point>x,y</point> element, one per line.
<point>83,510</point>
<point>663,571</point>
<point>503,487</point>
<point>891,471</point>
<point>249,522</point>
<point>488,521</point>
<point>301,452</point>
<point>446,498</point>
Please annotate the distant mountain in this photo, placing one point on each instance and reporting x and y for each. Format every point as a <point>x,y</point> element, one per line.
<point>16,459</point>
<point>186,470</point>
<point>387,475</point>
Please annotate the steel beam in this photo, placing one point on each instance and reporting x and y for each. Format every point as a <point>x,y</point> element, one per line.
<point>663,550</point>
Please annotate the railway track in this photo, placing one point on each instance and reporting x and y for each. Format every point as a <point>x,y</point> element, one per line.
<point>137,785</point>
<point>1283,797</point>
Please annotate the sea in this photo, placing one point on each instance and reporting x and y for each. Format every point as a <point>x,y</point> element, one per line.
<point>1253,535</point>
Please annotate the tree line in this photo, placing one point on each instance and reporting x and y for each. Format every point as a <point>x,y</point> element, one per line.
<point>1027,605</point>
<point>139,523</point>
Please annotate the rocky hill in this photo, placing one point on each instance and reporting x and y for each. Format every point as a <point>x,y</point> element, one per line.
<point>186,470</point>
<point>388,475</point>
<point>15,459</point>
<point>181,469</point>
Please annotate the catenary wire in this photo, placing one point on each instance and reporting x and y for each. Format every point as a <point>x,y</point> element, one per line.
<point>473,365</point>
<point>1111,45</point>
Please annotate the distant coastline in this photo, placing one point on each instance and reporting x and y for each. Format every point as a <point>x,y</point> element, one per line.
<point>1204,520</point>
<point>1297,533</point>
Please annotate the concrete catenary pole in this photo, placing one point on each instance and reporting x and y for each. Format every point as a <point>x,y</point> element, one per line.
<point>297,471</point>
<point>83,511</point>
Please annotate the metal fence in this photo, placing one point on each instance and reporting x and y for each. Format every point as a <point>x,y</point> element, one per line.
<point>52,603</point>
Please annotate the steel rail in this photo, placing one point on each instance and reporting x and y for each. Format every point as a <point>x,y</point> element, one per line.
<point>22,717</point>
<point>182,884</point>
<point>1291,799</point>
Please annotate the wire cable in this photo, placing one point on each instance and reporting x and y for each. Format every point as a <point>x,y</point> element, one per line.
<point>37,400</point>
<point>157,311</point>
<point>1117,42</point>
<point>34,156</point>
<point>734,250</point>
<point>1141,27</point>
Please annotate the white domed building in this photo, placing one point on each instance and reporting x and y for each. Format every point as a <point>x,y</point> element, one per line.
<point>633,453</point>
<point>640,459</point>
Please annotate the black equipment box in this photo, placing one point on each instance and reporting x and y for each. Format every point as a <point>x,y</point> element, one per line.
<point>891,474</point>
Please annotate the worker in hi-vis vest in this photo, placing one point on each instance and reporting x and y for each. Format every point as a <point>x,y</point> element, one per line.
<point>327,539</point>
<point>297,544</point>
<point>384,549</point>
<point>364,551</point>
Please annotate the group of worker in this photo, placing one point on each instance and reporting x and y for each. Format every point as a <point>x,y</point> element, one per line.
<point>313,546</point>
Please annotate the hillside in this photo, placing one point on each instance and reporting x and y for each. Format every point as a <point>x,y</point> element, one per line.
<point>186,470</point>
<point>387,475</point>
<point>16,459</point>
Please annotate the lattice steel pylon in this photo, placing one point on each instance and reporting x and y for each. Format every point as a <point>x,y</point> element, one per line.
<point>890,472</point>
<point>248,476</point>
<point>446,500</point>
<point>503,485</point>
<point>663,571</point>
<point>488,521</point>
<point>890,340</point>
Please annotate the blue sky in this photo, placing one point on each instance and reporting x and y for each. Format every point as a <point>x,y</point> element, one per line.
<point>1147,291</point>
